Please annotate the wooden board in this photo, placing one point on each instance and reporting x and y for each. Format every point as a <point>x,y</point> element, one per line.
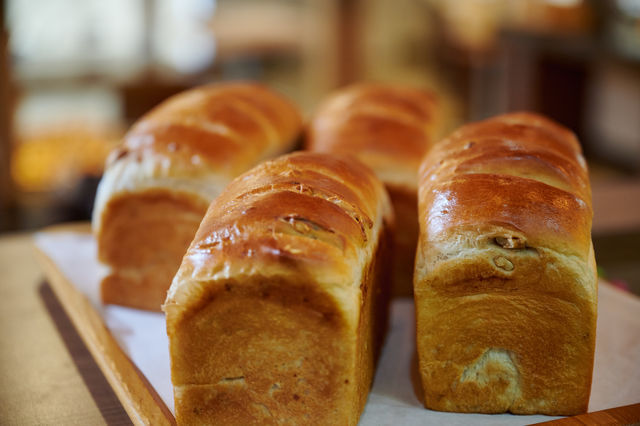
<point>627,415</point>
<point>137,396</point>
<point>139,399</point>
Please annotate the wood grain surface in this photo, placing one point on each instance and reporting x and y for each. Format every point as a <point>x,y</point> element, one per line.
<point>105,399</point>
<point>627,415</point>
<point>138,398</point>
<point>42,378</point>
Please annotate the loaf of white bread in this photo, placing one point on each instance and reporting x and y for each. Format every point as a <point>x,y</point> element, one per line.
<point>279,308</point>
<point>390,129</point>
<point>176,159</point>
<point>505,278</point>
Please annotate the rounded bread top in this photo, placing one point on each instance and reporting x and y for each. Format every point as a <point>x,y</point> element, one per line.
<point>387,127</point>
<point>519,172</point>
<point>315,215</point>
<point>224,127</point>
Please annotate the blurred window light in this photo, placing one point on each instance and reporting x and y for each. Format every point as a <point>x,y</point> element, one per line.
<point>80,31</point>
<point>181,37</point>
<point>564,3</point>
<point>90,104</point>
<point>630,7</point>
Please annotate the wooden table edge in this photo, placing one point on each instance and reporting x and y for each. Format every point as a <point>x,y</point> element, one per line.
<point>141,402</point>
<point>625,415</point>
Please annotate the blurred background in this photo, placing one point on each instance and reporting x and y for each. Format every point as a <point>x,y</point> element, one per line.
<point>74,74</point>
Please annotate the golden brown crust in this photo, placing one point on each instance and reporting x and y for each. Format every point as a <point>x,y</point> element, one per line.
<point>505,172</point>
<point>405,208</point>
<point>278,310</point>
<point>228,126</point>
<point>172,163</point>
<point>505,282</point>
<point>165,222</point>
<point>390,129</point>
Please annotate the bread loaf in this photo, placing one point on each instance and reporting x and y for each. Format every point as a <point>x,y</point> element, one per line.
<point>158,184</point>
<point>389,128</point>
<point>505,280</point>
<point>278,310</point>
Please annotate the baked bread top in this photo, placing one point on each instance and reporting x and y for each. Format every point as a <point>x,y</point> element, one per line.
<point>198,140</point>
<point>517,180</point>
<point>313,215</point>
<point>389,128</point>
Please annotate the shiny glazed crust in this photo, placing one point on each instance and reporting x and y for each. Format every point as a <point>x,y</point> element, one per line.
<point>173,162</point>
<point>390,129</point>
<point>279,308</point>
<point>505,280</point>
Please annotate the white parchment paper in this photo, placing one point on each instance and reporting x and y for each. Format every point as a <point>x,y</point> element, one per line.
<point>141,334</point>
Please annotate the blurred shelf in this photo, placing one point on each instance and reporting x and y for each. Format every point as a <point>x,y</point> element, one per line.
<point>616,205</point>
